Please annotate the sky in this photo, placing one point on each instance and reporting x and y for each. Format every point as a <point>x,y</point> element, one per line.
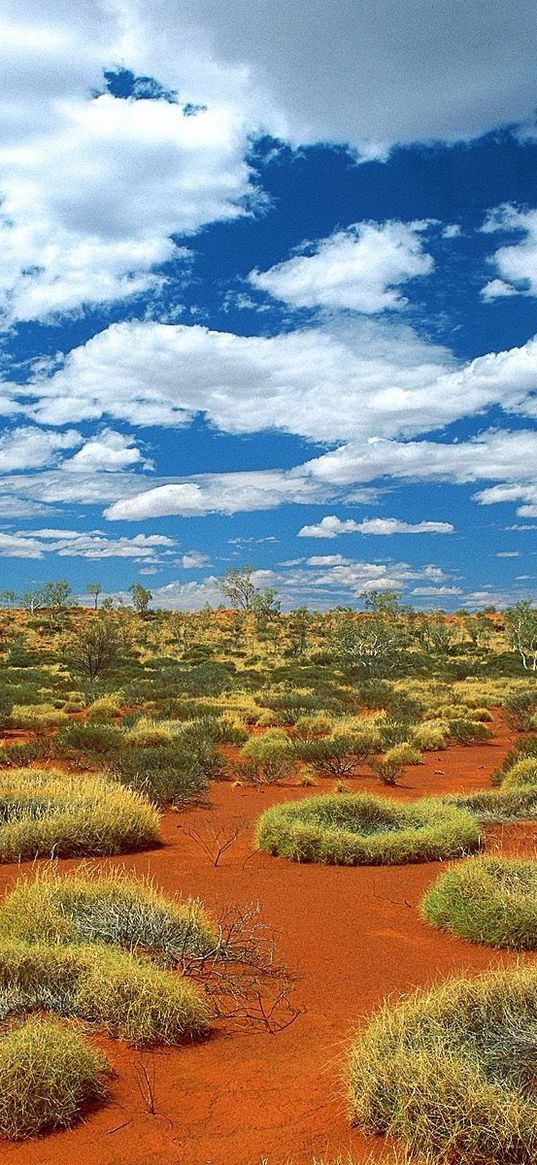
<point>268,295</point>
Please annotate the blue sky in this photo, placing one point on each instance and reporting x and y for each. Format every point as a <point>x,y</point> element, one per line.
<point>269,295</point>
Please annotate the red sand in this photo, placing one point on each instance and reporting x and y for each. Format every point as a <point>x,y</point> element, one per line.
<point>352,936</point>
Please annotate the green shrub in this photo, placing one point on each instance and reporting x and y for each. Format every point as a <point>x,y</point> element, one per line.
<point>104,986</point>
<point>45,813</point>
<point>338,755</point>
<point>37,717</point>
<point>166,775</point>
<point>112,909</point>
<point>519,707</point>
<point>103,710</point>
<point>18,755</point>
<point>430,735</point>
<point>523,772</point>
<point>522,748</point>
<point>49,1077</point>
<point>148,734</point>
<point>492,806</point>
<point>359,829</point>
<point>468,732</point>
<point>450,1072</point>
<point>269,759</point>
<point>88,739</point>
<point>312,725</point>
<point>487,900</point>
<point>403,754</point>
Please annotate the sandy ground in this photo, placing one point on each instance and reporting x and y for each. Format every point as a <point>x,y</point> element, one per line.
<point>351,936</point>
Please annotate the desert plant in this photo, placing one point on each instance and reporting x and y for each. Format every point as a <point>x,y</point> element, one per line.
<point>37,717</point>
<point>523,772</point>
<point>103,710</point>
<point>487,900</point>
<point>519,707</point>
<point>450,1072</point>
<point>430,735</point>
<point>359,829</point>
<point>49,1076</point>
<point>46,813</point>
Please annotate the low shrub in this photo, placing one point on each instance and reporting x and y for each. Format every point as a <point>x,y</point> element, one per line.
<point>339,755</point>
<point>523,772</point>
<point>88,739</point>
<point>45,813</point>
<point>359,829</point>
<point>18,755</point>
<point>129,999</point>
<point>37,717</point>
<point>519,707</point>
<point>430,735</point>
<point>403,754</point>
<point>523,748</point>
<point>147,733</point>
<point>269,759</point>
<point>166,775</point>
<point>103,710</point>
<point>468,732</point>
<point>312,725</point>
<point>113,910</point>
<point>394,732</point>
<point>493,807</point>
<point>487,900</point>
<point>49,1077</point>
<point>450,1072</point>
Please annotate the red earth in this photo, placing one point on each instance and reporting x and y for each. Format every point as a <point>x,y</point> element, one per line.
<point>351,937</point>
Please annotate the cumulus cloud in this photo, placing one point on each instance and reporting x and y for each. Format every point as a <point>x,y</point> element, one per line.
<point>388,382</point>
<point>516,263</point>
<point>32,448</point>
<point>360,268</point>
<point>194,559</point>
<point>73,544</point>
<point>331,527</point>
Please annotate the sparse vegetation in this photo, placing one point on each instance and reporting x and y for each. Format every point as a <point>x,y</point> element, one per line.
<point>487,900</point>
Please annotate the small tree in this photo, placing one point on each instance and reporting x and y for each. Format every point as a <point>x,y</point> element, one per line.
<point>7,597</point>
<point>94,648</point>
<point>237,586</point>
<point>55,595</point>
<point>141,597</point>
<point>31,600</point>
<point>521,632</point>
<point>95,590</point>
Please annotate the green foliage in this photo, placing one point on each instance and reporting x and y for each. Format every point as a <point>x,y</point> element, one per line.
<point>450,1072</point>
<point>468,732</point>
<point>523,772</point>
<point>168,775</point>
<point>49,1077</point>
<point>45,813</point>
<point>519,708</point>
<point>487,900</point>
<point>269,759</point>
<point>37,717</point>
<point>359,829</point>
<point>92,740</point>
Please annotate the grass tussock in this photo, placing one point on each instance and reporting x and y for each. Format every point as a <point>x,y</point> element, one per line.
<point>49,1076</point>
<point>360,829</point>
<point>496,806</point>
<point>45,813</point>
<point>114,910</point>
<point>450,1072</point>
<point>118,993</point>
<point>487,900</point>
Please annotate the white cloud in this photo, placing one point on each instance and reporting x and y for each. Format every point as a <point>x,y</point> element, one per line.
<point>516,263</point>
<point>226,493</point>
<point>508,554</point>
<point>32,448</point>
<point>360,268</point>
<point>108,452</point>
<point>387,381</point>
<point>331,527</point>
<point>73,544</point>
<point>194,559</point>
<point>432,591</point>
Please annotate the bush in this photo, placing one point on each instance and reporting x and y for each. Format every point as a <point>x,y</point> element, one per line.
<point>389,767</point>
<point>312,725</point>
<point>522,748</point>
<point>37,717</point>
<point>403,754</point>
<point>359,829</point>
<point>493,807</point>
<point>450,1072</point>
<point>468,732</point>
<point>49,1077</point>
<point>269,759</point>
<point>166,775</point>
<point>519,707</point>
<point>487,900</point>
<point>112,909</point>
<point>104,986</point>
<point>335,756</point>
<point>430,735</point>
<point>523,772</point>
<point>394,732</point>
<point>102,711</point>
<point>88,739</point>
<point>18,755</point>
<point>44,813</point>
<point>148,734</point>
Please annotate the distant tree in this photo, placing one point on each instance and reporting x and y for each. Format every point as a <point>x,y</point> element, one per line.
<point>141,597</point>
<point>93,649</point>
<point>237,586</point>
<point>521,632</point>
<point>54,595</point>
<point>31,600</point>
<point>94,589</point>
<point>299,621</point>
<point>7,597</point>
